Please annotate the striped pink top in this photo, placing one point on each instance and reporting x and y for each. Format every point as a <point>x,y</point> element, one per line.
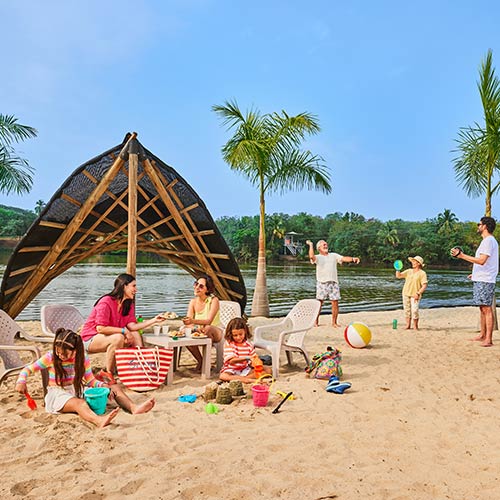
<point>233,350</point>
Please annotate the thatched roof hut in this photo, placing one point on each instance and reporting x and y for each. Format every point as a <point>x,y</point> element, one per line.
<point>95,211</point>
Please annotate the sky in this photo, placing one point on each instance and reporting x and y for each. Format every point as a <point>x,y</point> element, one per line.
<point>390,82</point>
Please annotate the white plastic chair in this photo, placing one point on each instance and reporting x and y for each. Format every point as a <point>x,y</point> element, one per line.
<point>54,316</point>
<point>227,311</point>
<point>12,362</point>
<point>288,334</point>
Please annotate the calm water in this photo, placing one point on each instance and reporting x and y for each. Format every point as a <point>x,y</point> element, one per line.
<point>165,287</point>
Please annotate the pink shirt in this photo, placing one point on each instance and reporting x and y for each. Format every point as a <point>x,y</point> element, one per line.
<point>105,313</point>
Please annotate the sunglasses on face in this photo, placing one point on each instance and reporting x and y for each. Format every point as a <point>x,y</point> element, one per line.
<point>198,285</point>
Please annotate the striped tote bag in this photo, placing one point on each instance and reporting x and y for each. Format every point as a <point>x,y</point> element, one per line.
<point>143,368</point>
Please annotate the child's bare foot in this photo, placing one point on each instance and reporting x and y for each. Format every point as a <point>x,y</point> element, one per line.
<point>144,407</point>
<point>479,338</point>
<point>106,419</point>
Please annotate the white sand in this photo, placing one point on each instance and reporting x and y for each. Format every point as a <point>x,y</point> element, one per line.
<point>420,422</point>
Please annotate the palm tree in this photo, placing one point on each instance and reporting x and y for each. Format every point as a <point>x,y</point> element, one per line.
<point>446,221</point>
<point>15,172</point>
<point>479,146</point>
<point>39,206</point>
<point>265,149</point>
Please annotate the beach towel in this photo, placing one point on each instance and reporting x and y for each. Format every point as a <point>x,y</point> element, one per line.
<point>143,368</point>
<point>326,364</point>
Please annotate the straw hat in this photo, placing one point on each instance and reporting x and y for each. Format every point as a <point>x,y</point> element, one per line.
<point>418,259</point>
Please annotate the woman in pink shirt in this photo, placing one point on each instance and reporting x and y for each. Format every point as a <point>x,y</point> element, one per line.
<point>112,324</point>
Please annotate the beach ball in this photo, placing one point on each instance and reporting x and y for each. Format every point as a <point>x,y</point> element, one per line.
<point>357,335</point>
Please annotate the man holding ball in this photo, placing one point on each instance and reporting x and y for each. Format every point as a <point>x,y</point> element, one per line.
<point>484,276</point>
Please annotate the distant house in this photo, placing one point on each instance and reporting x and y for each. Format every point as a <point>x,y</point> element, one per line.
<point>292,247</point>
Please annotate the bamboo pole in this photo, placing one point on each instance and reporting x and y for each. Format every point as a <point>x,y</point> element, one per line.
<point>133,163</point>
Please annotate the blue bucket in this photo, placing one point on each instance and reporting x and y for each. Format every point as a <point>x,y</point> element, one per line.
<point>96,398</point>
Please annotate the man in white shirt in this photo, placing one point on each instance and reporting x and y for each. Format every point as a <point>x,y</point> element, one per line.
<point>484,276</point>
<point>327,282</point>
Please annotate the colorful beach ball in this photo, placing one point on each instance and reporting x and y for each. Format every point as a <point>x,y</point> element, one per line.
<point>357,335</point>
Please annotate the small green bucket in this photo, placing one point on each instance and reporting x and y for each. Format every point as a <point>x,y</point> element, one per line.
<point>96,398</point>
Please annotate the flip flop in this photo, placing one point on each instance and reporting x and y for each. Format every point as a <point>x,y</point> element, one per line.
<point>336,386</point>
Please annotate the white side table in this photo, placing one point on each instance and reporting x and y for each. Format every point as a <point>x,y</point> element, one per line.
<point>170,343</point>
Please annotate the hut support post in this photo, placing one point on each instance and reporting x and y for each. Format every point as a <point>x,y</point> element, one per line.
<point>133,162</point>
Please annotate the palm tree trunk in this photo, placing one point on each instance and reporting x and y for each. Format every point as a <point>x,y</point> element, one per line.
<point>260,301</point>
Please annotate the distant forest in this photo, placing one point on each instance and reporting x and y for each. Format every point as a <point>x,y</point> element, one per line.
<point>375,242</point>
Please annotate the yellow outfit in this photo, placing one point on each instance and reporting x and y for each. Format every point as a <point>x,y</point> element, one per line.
<point>205,312</point>
<point>413,281</point>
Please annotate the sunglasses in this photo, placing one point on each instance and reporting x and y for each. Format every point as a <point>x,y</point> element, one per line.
<point>198,285</point>
<point>479,224</point>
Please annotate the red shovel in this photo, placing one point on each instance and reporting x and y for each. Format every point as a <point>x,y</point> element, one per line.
<point>31,401</point>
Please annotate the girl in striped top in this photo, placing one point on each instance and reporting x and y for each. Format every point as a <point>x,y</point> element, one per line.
<point>238,353</point>
<point>69,371</point>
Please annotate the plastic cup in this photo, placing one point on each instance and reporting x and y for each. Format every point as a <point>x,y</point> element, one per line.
<point>187,332</point>
<point>165,329</point>
<point>156,329</point>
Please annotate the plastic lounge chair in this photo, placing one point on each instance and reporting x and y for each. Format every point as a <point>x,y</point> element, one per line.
<point>227,311</point>
<point>288,335</point>
<point>54,316</point>
<point>12,362</point>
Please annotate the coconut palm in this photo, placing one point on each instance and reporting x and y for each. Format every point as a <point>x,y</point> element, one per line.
<point>479,146</point>
<point>446,221</point>
<point>265,149</point>
<point>15,172</point>
<point>39,206</point>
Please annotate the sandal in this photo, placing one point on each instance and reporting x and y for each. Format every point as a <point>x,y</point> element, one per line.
<point>336,386</point>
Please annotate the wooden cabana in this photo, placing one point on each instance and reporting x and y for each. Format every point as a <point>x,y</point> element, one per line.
<point>124,199</point>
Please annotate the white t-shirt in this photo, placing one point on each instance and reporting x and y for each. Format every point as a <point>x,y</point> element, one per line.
<point>489,270</point>
<point>326,267</point>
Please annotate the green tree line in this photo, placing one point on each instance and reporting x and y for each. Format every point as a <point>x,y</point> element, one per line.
<point>14,222</point>
<point>375,242</point>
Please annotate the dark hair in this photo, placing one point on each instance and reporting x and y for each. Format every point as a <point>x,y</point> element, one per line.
<point>237,324</point>
<point>68,340</point>
<point>118,291</point>
<point>209,281</point>
<point>490,223</point>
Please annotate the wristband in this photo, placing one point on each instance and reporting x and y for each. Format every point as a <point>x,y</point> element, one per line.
<point>123,331</point>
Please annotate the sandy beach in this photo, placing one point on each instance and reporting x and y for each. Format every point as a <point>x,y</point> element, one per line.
<point>420,422</point>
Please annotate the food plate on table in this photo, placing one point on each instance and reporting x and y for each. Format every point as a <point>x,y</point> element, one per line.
<point>199,335</point>
<point>176,333</point>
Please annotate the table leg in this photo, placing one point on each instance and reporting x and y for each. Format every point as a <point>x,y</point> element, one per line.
<point>205,367</point>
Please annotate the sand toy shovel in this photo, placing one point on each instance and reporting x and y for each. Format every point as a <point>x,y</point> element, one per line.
<point>31,402</point>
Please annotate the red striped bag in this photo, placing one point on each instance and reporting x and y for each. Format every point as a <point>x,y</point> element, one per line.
<point>143,368</point>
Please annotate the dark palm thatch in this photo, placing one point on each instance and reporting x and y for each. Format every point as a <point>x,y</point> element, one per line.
<point>89,215</point>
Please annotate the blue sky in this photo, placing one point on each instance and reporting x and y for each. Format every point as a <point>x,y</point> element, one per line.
<point>391,83</point>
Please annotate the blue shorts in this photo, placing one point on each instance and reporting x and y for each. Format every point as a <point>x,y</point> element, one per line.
<point>483,293</point>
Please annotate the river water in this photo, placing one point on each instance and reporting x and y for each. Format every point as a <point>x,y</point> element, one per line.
<point>166,287</point>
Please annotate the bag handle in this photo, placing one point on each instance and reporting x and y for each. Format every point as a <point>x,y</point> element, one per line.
<point>142,362</point>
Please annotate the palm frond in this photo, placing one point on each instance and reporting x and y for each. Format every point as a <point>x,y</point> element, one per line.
<point>15,173</point>
<point>297,170</point>
<point>11,131</point>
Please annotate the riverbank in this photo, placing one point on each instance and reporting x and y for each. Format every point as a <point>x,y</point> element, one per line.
<point>419,422</point>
